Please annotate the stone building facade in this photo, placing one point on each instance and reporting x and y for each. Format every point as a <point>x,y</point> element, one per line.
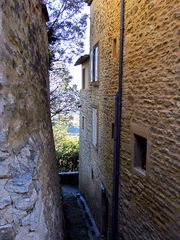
<point>150,141</point>
<point>29,187</point>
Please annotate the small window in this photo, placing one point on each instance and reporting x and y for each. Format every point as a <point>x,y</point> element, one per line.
<point>83,78</point>
<point>94,127</point>
<point>113,129</point>
<point>94,58</point>
<point>140,152</point>
<point>83,120</point>
<point>115,48</point>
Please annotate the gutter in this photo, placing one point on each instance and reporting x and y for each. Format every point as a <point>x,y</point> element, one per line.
<point>117,138</point>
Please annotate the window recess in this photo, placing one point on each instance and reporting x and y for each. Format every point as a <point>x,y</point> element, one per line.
<point>94,59</point>
<point>140,152</point>
<point>94,127</point>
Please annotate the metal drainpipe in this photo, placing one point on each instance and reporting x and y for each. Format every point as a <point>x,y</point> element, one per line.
<point>117,139</point>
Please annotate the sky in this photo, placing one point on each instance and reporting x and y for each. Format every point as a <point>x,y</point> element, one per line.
<point>76,72</point>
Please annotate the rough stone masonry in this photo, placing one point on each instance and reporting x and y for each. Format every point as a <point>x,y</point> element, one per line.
<point>149,198</point>
<point>29,196</point>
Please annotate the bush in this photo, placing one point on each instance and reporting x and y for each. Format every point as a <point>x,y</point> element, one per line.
<point>67,148</point>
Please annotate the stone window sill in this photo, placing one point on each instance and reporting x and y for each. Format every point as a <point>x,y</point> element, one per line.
<point>139,171</point>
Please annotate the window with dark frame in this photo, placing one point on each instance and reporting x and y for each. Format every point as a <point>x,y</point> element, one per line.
<point>83,78</point>
<point>94,59</point>
<point>140,152</point>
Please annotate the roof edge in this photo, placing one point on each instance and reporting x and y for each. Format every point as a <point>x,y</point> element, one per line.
<point>82,59</point>
<point>88,2</point>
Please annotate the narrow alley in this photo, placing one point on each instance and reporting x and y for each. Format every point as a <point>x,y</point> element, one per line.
<point>109,114</point>
<point>79,224</point>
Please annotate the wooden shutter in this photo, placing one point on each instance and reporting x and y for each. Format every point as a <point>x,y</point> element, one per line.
<point>96,63</point>
<point>94,127</point>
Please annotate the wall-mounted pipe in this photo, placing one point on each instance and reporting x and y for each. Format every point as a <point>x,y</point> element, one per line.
<point>117,139</point>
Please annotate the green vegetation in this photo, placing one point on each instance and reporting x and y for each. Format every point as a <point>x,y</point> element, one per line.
<point>67,148</point>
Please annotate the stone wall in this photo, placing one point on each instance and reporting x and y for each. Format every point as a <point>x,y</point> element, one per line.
<point>96,163</point>
<point>29,188</point>
<point>151,103</point>
<point>149,200</point>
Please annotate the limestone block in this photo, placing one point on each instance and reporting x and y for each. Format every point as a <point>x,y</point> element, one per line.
<point>32,219</point>
<point>4,168</point>
<point>19,184</point>
<point>2,79</point>
<point>25,161</point>
<point>3,135</point>
<point>5,198</point>
<point>3,155</point>
<point>35,220</point>
<point>2,104</point>
<point>7,232</point>
<point>26,203</point>
<point>2,221</point>
<point>12,215</point>
<point>5,201</point>
<point>25,232</point>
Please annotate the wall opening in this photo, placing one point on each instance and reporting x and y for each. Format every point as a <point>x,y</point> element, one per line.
<point>140,152</point>
<point>83,78</point>
<point>115,48</point>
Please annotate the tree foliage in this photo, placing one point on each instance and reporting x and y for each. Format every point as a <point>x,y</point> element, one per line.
<point>66,30</point>
<point>67,148</point>
<point>64,97</point>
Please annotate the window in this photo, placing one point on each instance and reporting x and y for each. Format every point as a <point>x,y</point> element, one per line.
<point>94,127</point>
<point>140,152</point>
<point>115,48</point>
<point>94,58</point>
<point>83,120</point>
<point>83,78</point>
<point>113,129</point>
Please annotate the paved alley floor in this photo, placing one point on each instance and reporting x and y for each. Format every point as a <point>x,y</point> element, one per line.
<point>78,221</point>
